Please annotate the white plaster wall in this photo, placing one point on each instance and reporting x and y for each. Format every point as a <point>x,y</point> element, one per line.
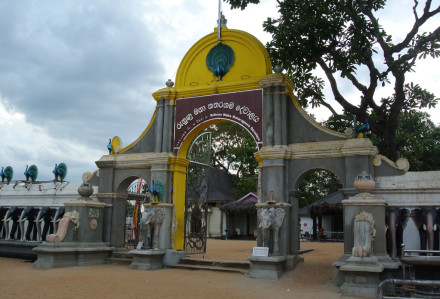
<point>40,195</point>
<point>411,189</point>
<point>214,222</point>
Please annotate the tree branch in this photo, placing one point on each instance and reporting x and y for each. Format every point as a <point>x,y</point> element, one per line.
<point>435,35</point>
<point>338,96</point>
<point>417,24</point>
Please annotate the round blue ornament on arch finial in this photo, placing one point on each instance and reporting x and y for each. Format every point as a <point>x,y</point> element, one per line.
<point>220,59</point>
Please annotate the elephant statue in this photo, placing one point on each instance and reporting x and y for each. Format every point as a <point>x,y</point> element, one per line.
<point>59,214</point>
<point>426,220</point>
<point>63,227</point>
<point>150,224</point>
<point>395,221</point>
<point>14,215</point>
<point>46,214</point>
<point>28,214</point>
<point>3,211</point>
<point>270,220</point>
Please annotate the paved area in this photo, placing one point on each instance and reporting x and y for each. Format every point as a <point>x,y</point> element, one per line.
<point>311,279</point>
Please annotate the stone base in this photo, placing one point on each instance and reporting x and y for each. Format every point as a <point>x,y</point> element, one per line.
<point>147,259</point>
<point>70,254</point>
<point>271,267</point>
<point>361,276</point>
<point>172,257</point>
<point>292,261</point>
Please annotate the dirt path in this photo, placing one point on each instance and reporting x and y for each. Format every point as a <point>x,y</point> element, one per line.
<point>311,279</point>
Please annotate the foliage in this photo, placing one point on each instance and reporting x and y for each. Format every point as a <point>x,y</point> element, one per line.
<point>233,150</point>
<point>418,138</point>
<point>345,39</point>
<point>317,185</point>
<point>129,208</point>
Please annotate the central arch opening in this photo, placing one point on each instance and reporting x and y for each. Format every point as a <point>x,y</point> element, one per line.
<point>216,181</point>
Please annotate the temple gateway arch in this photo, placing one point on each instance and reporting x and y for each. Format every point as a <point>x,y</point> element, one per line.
<point>232,80</point>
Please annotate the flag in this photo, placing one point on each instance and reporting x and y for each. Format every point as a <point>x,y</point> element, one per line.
<point>135,216</point>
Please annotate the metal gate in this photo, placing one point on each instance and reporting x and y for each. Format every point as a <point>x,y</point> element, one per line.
<point>196,199</point>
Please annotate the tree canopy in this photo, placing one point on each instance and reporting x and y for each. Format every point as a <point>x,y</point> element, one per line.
<point>346,41</point>
<point>317,185</point>
<point>418,138</point>
<point>233,149</point>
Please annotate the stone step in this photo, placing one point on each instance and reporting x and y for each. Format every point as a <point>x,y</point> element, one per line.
<point>216,263</point>
<point>119,260</point>
<point>209,268</point>
<point>121,254</point>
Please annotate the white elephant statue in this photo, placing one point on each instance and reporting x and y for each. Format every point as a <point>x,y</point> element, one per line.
<point>271,219</point>
<point>150,224</point>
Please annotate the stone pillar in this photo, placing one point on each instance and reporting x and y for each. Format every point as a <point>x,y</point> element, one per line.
<point>160,172</point>
<point>159,126</point>
<point>284,112</point>
<point>268,128</point>
<point>293,231</point>
<point>277,140</point>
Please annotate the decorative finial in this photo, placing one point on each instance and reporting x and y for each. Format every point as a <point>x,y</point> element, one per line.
<point>169,83</point>
<point>278,69</point>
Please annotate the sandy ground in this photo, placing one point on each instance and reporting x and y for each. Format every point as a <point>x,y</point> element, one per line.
<point>311,279</point>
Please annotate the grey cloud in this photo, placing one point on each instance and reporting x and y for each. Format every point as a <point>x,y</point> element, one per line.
<point>65,63</point>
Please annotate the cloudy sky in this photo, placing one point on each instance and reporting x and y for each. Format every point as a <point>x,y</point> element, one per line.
<point>75,73</point>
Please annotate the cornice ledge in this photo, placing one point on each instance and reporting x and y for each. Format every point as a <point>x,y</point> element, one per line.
<point>275,80</point>
<point>106,161</point>
<point>274,152</point>
<point>134,160</point>
<point>359,147</point>
<point>332,149</point>
<point>165,94</point>
<point>179,162</point>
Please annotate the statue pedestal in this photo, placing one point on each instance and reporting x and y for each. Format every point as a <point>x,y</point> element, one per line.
<point>147,259</point>
<point>71,254</point>
<point>78,240</point>
<point>266,267</point>
<point>363,270</point>
<point>361,276</point>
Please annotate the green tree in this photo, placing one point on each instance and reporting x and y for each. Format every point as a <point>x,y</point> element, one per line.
<point>345,39</point>
<point>418,138</point>
<point>316,186</point>
<point>233,150</point>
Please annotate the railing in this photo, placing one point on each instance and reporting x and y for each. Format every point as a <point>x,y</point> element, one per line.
<point>404,282</point>
<point>334,236</point>
<point>328,235</point>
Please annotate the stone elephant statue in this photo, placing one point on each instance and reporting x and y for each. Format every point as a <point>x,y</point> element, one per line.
<point>3,232</point>
<point>29,214</point>
<point>13,214</point>
<point>395,220</point>
<point>45,215</point>
<point>150,224</point>
<point>270,220</point>
<point>426,220</point>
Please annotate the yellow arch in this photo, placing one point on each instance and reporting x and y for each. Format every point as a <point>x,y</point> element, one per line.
<point>193,77</point>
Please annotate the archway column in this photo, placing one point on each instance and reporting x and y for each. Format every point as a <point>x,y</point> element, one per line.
<point>114,227</point>
<point>275,103</point>
<point>179,167</point>
<point>273,187</point>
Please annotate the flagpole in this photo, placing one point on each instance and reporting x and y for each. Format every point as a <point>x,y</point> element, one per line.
<point>219,21</point>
